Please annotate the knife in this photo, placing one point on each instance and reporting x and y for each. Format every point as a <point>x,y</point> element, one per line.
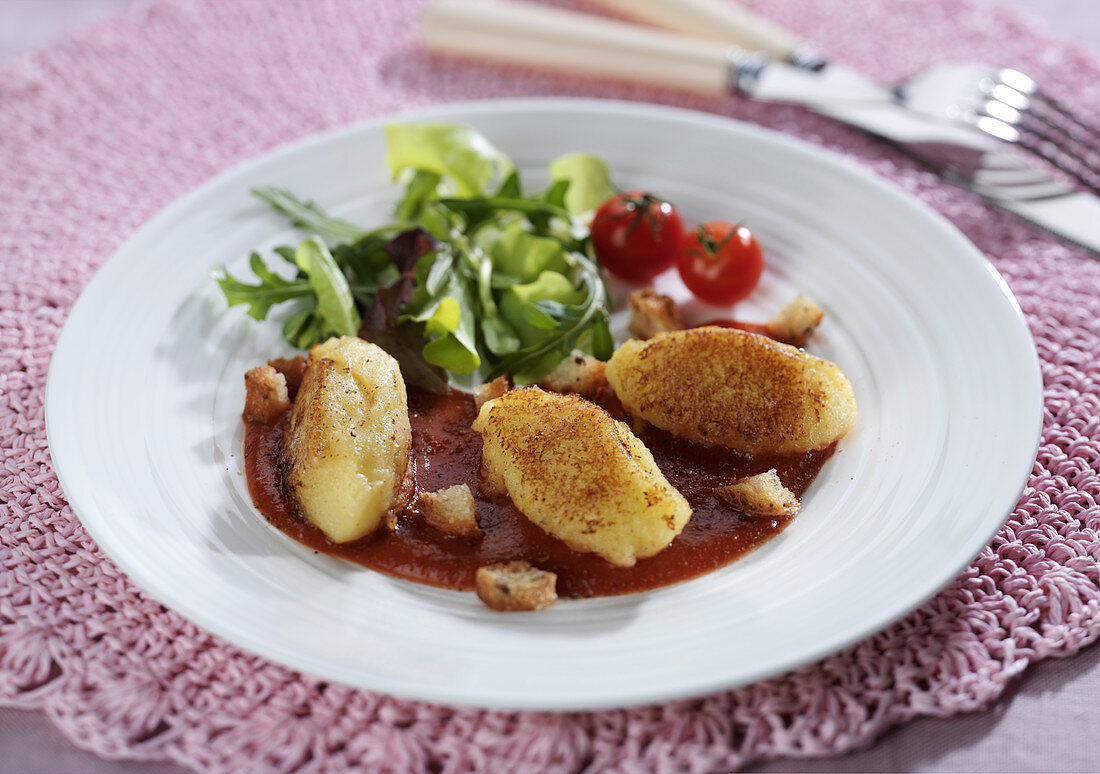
<point>1069,214</point>
<point>512,32</point>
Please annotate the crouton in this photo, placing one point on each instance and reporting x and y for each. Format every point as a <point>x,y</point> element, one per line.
<point>516,586</point>
<point>653,313</point>
<point>265,395</point>
<point>796,322</point>
<point>484,393</point>
<point>451,510</point>
<point>760,495</point>
<point>292,369</point>
<point>579,373</point>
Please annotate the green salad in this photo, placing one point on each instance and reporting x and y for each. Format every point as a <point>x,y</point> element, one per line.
<point>474,275</point>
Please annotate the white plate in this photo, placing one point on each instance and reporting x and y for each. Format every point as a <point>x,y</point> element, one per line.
<point>145,392</point>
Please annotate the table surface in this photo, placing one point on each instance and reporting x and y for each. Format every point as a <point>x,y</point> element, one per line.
<point>1040,724</point>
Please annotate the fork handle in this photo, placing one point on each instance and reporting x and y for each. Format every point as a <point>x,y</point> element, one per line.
<point>717,20</point>
<point>543,36</point>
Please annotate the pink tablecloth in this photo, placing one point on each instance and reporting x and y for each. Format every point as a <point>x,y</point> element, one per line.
<point>99,133</point>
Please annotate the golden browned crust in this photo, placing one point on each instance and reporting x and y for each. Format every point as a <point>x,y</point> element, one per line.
<point>516,586</point>
<point>579,475</point>
<point>653,313</point>
<point>726,387</point>
<point>346,448</point>
<point>579,373</point>
<point>451,510</point>
<point>265,395</point>
<point>760,495</point>
<point>796,322</point>
<point>484,393</point>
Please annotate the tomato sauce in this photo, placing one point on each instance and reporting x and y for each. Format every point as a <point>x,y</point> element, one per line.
<point>446,451</point>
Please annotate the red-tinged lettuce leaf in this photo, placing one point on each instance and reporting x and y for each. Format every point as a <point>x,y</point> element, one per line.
<point>405,340</point>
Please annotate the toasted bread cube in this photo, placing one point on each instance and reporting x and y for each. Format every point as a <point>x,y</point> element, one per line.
<point>484,393</point>
<point>265,394</point>
<point>516,586</point>
<point>579,373</point>
<point>451,510</point>
<point>760,495</point>
<point>796,322</point>
<point>653,313</point>
<point>292,369</point>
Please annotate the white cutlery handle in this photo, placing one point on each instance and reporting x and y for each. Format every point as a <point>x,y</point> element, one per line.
<point>542,36</point>
<point>716,19</point>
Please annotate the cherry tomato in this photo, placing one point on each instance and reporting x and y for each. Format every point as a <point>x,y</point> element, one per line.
<point>720,262</point>
<point>636,235</point>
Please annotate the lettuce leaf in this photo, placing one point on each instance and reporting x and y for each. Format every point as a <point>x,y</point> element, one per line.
<point>520,254</point>
<point>446,304</point>
<point>588,178</point>
<point>448,150</point>
<point>473,275</point>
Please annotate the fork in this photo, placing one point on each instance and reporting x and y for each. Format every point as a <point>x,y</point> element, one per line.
<point>1008,105</point>
<point>540,35</point>
<point>1002,103</point>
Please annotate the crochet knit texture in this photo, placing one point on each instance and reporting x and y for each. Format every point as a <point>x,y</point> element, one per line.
<point>102,131</point>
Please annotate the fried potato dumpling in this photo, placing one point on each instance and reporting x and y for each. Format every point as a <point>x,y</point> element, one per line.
<point>580,475</point>
<point>725,387</point>
<point>347,445</point>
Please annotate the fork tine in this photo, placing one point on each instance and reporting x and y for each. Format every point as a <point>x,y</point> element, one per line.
<point>1015,110</point>
<point>1003,98</point>
<point>1019,193</point>
<point>1081,131</point>
<point>1004,175</point>
<point>1010,124</point>
<point>1011,177</point>
<point>1037,144</point>
<point>1029,90</point>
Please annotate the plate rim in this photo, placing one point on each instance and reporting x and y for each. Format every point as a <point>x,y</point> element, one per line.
<point>441,111</point>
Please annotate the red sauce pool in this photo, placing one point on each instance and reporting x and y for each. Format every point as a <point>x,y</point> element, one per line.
<point>445,451</point>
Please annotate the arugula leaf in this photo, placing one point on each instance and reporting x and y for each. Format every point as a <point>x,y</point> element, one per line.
<point>417,207</point>
<point>306,215</point>
<point>367,259</point>
<point>602,343</point>
<point>335,310</point>
<point>271,290</point>
<point>510,188</point>
<point>478,208</point>
<point>303,328</point>
<point>472,275</point>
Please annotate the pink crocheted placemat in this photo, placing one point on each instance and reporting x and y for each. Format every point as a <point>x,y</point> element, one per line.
<point>99,133</point>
